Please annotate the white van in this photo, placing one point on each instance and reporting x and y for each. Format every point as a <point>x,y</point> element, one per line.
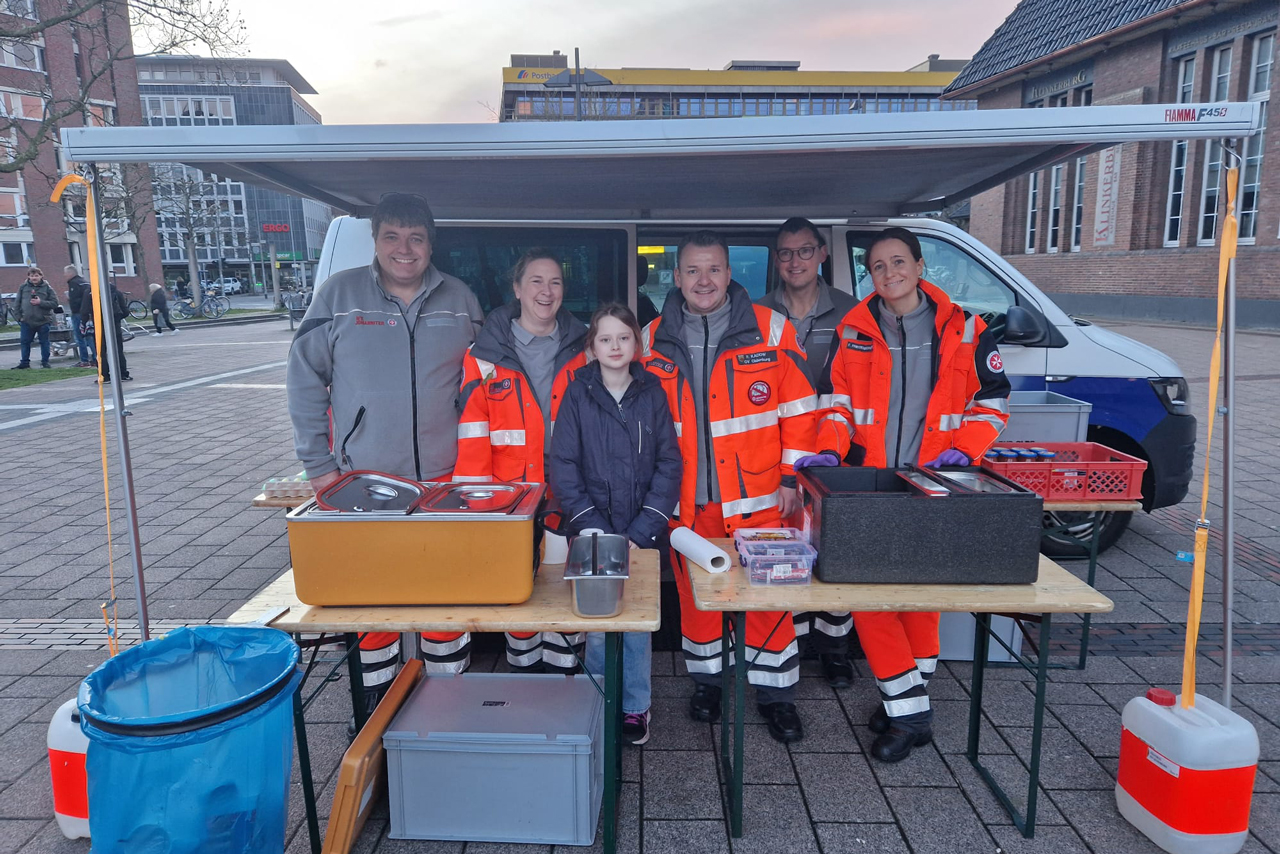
<point>1139,395</point>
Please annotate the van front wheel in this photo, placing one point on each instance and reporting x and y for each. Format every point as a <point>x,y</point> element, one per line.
<point>1074,543</point>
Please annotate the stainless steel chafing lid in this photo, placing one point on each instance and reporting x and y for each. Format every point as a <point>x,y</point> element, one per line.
<point>473,498</point>
<point>977,481</point>
<point>612,558</point>
<point>370,493</point>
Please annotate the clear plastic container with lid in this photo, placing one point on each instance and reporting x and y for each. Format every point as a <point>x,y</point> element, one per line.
<point>779,562</point>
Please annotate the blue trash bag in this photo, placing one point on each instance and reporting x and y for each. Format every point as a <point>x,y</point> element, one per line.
<point>191,743</point>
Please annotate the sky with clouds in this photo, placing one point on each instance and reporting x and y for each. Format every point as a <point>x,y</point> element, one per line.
<point>426,61</point>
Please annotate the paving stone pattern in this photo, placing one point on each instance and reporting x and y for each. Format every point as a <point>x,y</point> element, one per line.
<point>203,442</point>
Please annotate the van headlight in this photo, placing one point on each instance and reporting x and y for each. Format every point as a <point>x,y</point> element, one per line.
<point>1172,392</point>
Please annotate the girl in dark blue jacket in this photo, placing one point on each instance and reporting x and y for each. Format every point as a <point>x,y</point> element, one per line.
<point>615,465</point>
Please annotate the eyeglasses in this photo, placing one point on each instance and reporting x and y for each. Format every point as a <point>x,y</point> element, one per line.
<point>805,253</point>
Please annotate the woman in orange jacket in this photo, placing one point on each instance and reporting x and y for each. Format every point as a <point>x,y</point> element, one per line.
<point>914,379</point>
<point>513,379</point>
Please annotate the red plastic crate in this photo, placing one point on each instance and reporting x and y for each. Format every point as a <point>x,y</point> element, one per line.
<point>1081,471</point>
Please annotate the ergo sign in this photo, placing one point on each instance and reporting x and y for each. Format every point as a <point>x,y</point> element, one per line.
<point>275,227</point>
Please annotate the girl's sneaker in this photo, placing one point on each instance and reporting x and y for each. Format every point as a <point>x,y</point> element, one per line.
<point>635,728</point>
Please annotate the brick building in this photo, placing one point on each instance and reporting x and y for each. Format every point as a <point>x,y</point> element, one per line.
<point>1133,231</point>
<point>64,69</point>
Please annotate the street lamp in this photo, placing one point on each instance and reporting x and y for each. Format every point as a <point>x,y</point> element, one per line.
<point>577,78</point>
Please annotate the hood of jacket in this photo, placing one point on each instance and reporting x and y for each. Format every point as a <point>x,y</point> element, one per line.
<point>495,343</point>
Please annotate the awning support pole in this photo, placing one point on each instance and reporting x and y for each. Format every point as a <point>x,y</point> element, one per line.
<point>109,333</point>
<point>1228,476</point>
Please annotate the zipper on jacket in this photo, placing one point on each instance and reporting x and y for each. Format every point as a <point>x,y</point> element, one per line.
<point>902,404</point>
<point>355,425</point>
<point>706,401</point>
<point>413,384</point>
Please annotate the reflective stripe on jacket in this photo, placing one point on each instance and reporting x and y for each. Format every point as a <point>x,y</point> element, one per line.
<point>970,401</point>
<point>760,406</point>
<point>501,431</point>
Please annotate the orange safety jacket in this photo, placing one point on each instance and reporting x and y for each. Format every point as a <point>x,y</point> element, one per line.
<point>759,406</point>
<point>501,434</point>
<point>969,405</point>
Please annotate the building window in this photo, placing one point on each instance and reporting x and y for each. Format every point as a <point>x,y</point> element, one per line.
<point>1033,210</point>
<point>1218,87</point>
<point>1264,48</point>
<point>100,114</point>
<point>18,8</point>
<point>121,258</point>
<point>1077,205</point>
<point>17,254</point>
<point>21,105</point>
<point>1178,159</point>
<point>1056,178</point>
<point>28,55</point>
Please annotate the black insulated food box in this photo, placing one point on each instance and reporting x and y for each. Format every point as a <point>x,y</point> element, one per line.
<point>916,526</point>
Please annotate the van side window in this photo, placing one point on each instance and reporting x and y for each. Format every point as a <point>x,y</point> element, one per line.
<point>964,279</point>
<point>750,266</point>
<point>596,262</point>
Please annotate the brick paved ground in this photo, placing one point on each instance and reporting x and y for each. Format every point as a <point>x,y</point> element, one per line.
<point>208,426</point>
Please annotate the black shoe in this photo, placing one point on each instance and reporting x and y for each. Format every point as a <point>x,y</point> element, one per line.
<point>45,365</point>
<point>126,378</point>
<point>372,697</point>
<point>784,721</point>
<point>895,745</point>
<point>20,368</point>
<point>704,705</point>
<point>836,669</point>
<point>879,723</point>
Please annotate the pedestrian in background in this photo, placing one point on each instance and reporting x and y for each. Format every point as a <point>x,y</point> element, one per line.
<point>36,304</point>
<point>76,286</point>
<point>160,308</point>
<point>119,311</point>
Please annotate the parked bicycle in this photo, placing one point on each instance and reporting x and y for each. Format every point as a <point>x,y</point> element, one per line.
<point>8,312</point>
<point>210,306</point>
<point>139,310</point>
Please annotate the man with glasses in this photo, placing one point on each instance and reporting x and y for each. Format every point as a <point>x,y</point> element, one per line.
<point>814,309</point>
<point>381,347</point>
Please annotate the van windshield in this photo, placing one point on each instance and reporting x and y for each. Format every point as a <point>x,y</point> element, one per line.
<point>596,262</point>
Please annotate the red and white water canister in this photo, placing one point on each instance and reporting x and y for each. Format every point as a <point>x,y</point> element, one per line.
<point>67,746</point>
<point>1186,775</point>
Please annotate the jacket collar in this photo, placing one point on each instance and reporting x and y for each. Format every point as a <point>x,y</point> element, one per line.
<point>773,299</point>
<point>743,329</point>
<point>495,342</point>
<point>863,317</point>
<point>431,278</point>
<point>590,375</point>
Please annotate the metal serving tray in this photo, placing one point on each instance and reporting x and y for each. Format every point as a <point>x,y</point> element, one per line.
<point>368,493</point>
<point>456,498</point>
<point>525,508</point>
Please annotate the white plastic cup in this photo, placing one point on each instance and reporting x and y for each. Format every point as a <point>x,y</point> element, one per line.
<point>555,548</point>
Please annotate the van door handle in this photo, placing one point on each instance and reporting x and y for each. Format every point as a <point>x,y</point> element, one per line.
<point>1059,378</point>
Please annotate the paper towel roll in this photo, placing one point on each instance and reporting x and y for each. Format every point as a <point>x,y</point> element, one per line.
<point>699,550</point>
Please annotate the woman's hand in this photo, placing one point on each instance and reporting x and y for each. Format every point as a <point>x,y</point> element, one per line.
<point>949,457</point>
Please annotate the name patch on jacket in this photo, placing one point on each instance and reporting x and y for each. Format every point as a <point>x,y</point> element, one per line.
<point>758,358</point>
<point>662,365</point>
<point>499,385</point>
<point>856,345</point>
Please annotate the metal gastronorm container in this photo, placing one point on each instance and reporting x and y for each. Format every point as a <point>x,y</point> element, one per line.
<point>450,557</point>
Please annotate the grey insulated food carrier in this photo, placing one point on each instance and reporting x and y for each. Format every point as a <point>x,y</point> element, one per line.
<point>496,757</point>
<point>918,526</point>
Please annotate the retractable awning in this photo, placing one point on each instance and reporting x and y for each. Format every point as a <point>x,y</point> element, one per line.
<point>820,166</point>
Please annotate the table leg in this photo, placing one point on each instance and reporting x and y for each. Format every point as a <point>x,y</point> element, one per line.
<point>356,676</point>
<point>612,737</point>
<point>304,771</point>
<point>1086,619</point>
<point>1026,824</point>
<point>1037,728</point>
<point>739,715</point>
<point>981,645</point>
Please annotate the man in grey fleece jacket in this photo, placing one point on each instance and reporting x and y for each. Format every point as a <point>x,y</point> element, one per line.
<point>382,346</point>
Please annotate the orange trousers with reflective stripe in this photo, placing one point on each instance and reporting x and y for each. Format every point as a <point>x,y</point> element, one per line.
<point>703,627</point>
<point>893,640</point>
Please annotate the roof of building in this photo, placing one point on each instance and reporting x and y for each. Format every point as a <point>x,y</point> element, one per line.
<point>1040,28</point>
<point>283,67</point>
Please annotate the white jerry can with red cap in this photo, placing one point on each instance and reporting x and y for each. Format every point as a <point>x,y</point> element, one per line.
<point>67,747</point>
<point>1186,775</point>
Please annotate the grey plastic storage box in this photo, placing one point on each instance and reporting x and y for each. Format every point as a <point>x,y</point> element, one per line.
<point>1045,416</point>
<point>496,757</point>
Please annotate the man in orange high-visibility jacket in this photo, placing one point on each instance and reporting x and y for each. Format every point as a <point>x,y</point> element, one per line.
<point>915,379</point>
<point>744,412</point>
<point>513,379</point>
